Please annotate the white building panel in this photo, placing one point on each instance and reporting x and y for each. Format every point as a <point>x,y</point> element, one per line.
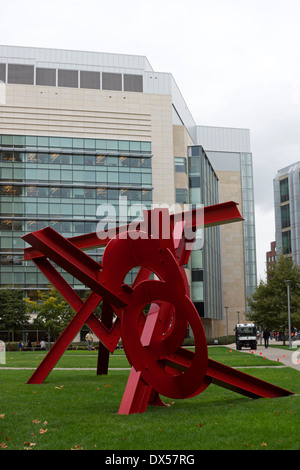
<point>224,139</point>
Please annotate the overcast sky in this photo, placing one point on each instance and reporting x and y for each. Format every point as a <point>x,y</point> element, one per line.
<point>236,62</point>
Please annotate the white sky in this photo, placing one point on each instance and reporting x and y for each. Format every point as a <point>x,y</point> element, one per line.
<point>236,62</point>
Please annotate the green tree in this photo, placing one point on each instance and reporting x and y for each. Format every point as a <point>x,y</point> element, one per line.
<point>13,313</point>
<point>53,313</point>
<point>269,304</point>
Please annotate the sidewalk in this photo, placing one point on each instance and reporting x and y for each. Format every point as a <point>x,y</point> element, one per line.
<point>288,357</point>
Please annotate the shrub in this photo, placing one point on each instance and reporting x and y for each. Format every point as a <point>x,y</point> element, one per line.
<point>222,340</point>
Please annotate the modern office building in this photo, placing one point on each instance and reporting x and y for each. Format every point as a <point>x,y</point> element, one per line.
<point>79,129</point>
<point>229,152</point>
<point>287,211</point>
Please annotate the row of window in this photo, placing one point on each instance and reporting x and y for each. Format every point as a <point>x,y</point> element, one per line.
<point>76,177</point>
<point>65,227</point>
<point>25,278</point>
<point>59,208</point>
<point>29,75</point>
<point>74,227</point>
<point>71,159</point>
<point>101,194</point>
<point>75,143</point>
<point>17,277</point>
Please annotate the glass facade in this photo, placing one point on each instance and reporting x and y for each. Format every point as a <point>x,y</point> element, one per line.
<point>60,182</point>
<point>249,223</point>
<point>205,262</point>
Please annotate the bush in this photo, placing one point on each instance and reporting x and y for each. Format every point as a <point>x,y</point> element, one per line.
<point>11,346</point>
<point>222,340</point>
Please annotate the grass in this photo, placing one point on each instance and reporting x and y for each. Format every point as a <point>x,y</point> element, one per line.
<point>78,410</point>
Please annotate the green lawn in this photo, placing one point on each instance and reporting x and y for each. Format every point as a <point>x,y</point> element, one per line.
<point>78,410</point>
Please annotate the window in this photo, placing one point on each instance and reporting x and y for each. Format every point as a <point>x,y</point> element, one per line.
<point>111,81</point>
<point>89,160</point>
<point>133,83</point>
<point>2,72</point>
<point>285,216</point>
<point>89,193</point>
<point>146,195</point>
<point>180,165</point>
<point>200,308</point>
<point>197,275</point>
<point>195,182</point>
<point>90,80</point>
<point>284,190</point>
<point>7,156</point>
<point>68,78</point>
<point>38,191</point>
<point>181,196</point>
<point>6,225</point>
<point>90,144</point>
<point>102,160</point>
<point>194,166</point>
<point>145,163</point>
<point>286,242</point>
<point>10,259</point>
<point>21,74</point>
<point>10,190</point>
<point>46,77</point>
<point>124,161</point>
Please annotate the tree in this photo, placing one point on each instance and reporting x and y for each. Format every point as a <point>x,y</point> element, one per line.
<point>13,313</point>
<point>269,305</point>
<point>53,312</point>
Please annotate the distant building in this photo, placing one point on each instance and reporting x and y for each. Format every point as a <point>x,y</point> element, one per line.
<point>271,256</point>
<point>229,152</point>
<point>287,211</point>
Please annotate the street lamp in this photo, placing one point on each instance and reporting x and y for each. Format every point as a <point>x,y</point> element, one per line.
<point>289,312</point>
<point>226,308</point>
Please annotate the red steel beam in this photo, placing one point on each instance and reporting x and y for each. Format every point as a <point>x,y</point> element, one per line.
<point>65,339</point>
<point>72,259</point>
<point>218,214</point>
<point>136,396</point>
<point>242,383</point>
<point>109,337</point>
<point>227,377</point>
<point>108,333</point>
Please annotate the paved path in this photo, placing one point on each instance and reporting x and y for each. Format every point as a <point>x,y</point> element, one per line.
<point>288,357</point>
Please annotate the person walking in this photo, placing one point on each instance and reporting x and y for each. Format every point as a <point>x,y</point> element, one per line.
<point>266,335</point>
<point>89,339</point>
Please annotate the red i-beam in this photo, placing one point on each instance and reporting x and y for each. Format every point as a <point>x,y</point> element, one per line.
<point>152,341</point>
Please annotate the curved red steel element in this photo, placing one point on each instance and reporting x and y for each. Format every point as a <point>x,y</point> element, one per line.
<point>151,316</point>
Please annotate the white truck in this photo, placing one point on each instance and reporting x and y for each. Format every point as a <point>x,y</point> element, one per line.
<point>245,336</point>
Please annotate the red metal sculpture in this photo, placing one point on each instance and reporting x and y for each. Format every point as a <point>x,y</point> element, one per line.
<point>152,341</point>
